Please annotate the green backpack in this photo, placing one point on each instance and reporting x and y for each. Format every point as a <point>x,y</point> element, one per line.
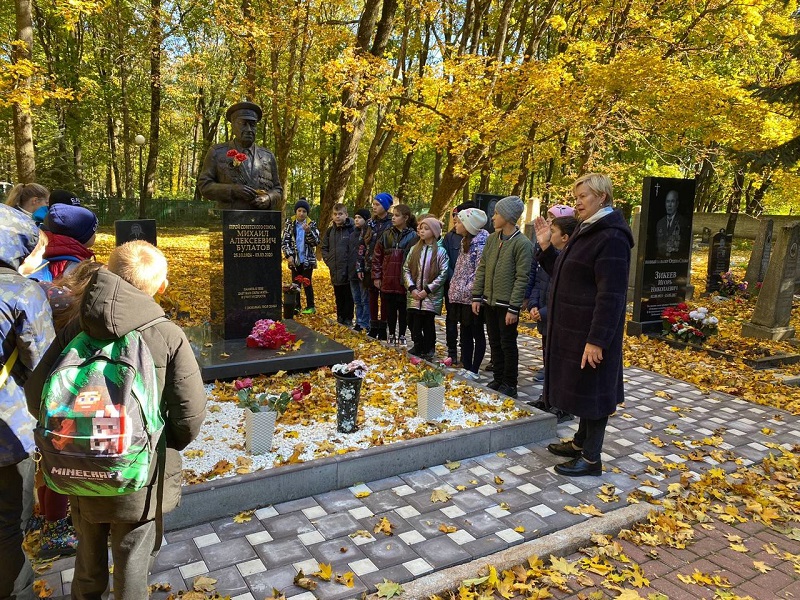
<point>100,422</point>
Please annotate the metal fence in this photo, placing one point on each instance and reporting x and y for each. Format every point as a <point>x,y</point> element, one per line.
<point>190,213</point>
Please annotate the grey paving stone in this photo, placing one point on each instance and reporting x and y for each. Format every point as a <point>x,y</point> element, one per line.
<point>485,546</point>
<point>427,525</point>
<point>331,551</point>
<point>472,500</point>
<point>172,577</point>
<point>338,501</point>
<point>383,501</point>
<point>330,590</point>
<point>494,463</point>
<point>281,579</point>
<point>422,501</point>
<point>53,581</point>
<point>480,524</point>
<point>515,499</point>
<point>386,483</point>
<point>399,524</point>
<point>421,480</point>
<point>228,552</point>
<point>228,529</point>
<point>185,534</point>
<point>389,552</point>
<point>176,555</point>
<point>336,525</point>
<point>282,552</point>
<point>293,505</point>
<point>398,574</point>
<point>534,525</point>
<point>229,581</point>
<point>442,552</point>
<point>292,524</point>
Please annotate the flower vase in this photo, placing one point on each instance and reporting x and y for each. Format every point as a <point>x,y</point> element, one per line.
<point>259,428</point>
<point>430,402</point>
<point>348,392</point>
<point>291,304</point>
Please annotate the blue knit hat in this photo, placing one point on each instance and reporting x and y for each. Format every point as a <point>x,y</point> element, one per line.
<point>302,203</point>
<point>76,222</point>
<point>385,199</point>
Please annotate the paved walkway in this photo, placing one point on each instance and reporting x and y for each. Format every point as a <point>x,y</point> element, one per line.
<point>498,500</point>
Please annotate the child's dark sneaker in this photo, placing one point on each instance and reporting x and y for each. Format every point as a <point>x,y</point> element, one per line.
<point>58,539</point>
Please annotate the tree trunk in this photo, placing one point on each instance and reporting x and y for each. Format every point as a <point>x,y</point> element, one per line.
<point>155,107</point>
<point>403,188</point>
<point>351,124</point>
<point>377,151</point>
<point>251,56</point>
<point>126,134</point>
<point>23,120</point>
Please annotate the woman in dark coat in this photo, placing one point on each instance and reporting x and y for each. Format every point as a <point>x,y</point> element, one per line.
<point>589,281</point>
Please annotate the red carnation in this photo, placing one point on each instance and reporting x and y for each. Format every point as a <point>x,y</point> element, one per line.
<point>232,152</point>
<point>306,388</point>
<point>241,157</point>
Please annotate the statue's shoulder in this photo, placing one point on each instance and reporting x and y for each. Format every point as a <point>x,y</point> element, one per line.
<point>219,149</point>
<point>264,152</point>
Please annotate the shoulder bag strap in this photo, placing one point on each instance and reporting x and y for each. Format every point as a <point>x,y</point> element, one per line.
<point>5,372</point>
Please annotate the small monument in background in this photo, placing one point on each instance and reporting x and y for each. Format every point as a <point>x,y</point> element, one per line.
<point>719,260</point>
<point>759,257</point>
<point>770,318</point>
<point>128,230</point>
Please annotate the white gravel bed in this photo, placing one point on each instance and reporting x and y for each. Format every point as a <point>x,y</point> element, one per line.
<point>222,437</point>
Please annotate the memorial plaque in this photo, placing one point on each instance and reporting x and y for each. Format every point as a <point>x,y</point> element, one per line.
<point>705,237</point>
<point>662,251</point>
<point>719,260</point>
<point>129,230</point>
<point>246,270</point>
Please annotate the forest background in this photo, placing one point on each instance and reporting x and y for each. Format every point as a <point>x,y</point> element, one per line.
<point>429,100</point>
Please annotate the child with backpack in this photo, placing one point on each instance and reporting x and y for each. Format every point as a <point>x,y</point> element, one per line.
<point>499,289</point>
<point>26,331</point>
<point>425,273</point>
<point>387,270</point>
<point>122,471</point>
<point>381,221</point>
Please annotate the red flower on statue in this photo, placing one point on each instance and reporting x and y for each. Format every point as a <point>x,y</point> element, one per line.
<point>237,158</point>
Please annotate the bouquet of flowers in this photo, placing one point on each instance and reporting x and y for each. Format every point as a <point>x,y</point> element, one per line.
<point>730,288</point>
<point>691,326</point>
<point>356,368</point>
<point>297,284</point>
<point>269,334</point>
<point>268,402</point>
<point>237,158</point>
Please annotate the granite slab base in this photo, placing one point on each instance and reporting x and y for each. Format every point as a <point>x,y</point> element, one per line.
<point>227,359</point>
<point>758,363</point>
<point>215,499</point>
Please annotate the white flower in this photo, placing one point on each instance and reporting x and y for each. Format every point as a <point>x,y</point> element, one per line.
<point>713,320</point>
<point>702,310</point>
<point>695,315</point>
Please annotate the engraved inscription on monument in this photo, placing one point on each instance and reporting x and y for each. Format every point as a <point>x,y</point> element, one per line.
<point>249,286</point>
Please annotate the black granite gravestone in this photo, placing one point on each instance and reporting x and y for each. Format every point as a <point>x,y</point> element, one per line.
<point>705,238</point>
<point>487,202</point>
<point>662,251</point>
<point>135,229</point>
<point>719,260</point>
<point>246,270</point>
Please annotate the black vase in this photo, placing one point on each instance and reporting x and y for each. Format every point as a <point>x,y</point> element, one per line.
<point>348,392</point>
<point>291,304</point>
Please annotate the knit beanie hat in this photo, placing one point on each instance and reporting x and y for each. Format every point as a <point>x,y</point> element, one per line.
<point>76,222</point>
<point>561,210</point>
<point>473,219</point>
<point>510,208</point>
<point>63,197</point>
<point>302,203</point>
<point>464,205</point>
<point>434,225</point>
<point>385,199</point>
<point>363,213</point>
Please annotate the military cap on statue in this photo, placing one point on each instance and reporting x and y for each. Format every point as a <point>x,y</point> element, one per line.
<point>249,107</point>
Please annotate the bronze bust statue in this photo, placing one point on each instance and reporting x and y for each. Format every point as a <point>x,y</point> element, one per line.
<point>239,174</point>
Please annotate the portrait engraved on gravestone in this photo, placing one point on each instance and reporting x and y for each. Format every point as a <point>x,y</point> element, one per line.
<point>239,174</point>
<point>672,231</point>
